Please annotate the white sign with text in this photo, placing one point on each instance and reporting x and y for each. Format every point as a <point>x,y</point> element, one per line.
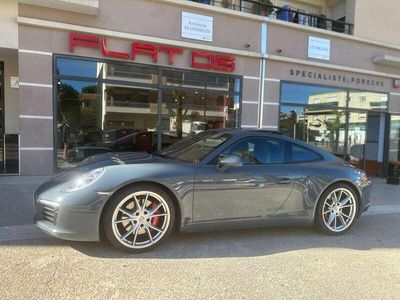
<point>14,82</point>
<point>319,48</point>
<point>197,27</point>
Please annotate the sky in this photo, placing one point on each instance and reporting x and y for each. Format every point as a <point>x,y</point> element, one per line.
<point>75,67</point>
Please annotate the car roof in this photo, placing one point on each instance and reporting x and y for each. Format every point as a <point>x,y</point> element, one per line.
<point>245,131</point>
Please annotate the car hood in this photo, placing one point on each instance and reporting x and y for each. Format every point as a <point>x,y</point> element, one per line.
<point>107,159</point>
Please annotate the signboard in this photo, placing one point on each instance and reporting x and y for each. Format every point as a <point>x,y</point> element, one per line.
<point>167,54</point>
<point>335,78</point>
<point>197,27</point>
<point>14,82</point>
<point>319,48</point>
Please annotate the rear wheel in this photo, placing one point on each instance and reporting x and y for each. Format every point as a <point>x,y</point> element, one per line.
<point>139,219</point>
<point>337,209</point>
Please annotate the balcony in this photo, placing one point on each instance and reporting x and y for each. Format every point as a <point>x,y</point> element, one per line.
<point>283,13</point>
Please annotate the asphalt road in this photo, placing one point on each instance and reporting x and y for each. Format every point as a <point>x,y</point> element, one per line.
<point>249,264</point>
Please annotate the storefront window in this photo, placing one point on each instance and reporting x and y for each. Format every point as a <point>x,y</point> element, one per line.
<point>394,147</point>
<point>315,115</point>
<point>186,113</point>
<point>309,95</point>
<point>356,137</point>
<point>77,67</point>
<point>368,100</point>
<point>332,119</point>
<point>104,107</point>
<point>212,82</point>
<point>1,118</point>
<point>321,127</point>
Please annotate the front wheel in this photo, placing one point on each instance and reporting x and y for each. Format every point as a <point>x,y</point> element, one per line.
<point>139,218</point>
<point>337,209</point>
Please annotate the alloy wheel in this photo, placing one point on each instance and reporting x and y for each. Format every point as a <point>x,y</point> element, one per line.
<point>339,210</point>
<point>141,219</point>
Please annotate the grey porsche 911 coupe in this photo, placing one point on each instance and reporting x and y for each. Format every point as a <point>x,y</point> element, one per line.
<point>217,179</point>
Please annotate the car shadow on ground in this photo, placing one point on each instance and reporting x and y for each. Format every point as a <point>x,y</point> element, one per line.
<point>366,235</point>
<point>371,232</point>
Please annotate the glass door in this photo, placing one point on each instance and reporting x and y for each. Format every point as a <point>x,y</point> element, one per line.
<point>357,127</point>
<point>394,147</point>
<point>1,117</point>
<point>365,141</point>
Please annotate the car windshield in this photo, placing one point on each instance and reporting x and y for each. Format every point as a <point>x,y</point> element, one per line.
<point>195,148</point>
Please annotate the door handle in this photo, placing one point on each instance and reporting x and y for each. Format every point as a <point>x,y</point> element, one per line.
<point>284,181</point>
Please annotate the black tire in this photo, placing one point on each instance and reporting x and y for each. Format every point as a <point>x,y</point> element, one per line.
<point>113,204</point>
<point>320,223</point>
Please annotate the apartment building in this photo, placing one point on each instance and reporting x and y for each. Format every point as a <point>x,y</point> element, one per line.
<point>82,77</point>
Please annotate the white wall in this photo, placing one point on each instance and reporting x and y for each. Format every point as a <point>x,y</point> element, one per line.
<point>337,11</point>
<point>378,20</point>
<point>8,24</point>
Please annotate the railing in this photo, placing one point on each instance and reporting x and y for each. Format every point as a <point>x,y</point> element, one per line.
<point>283,13</point>
<point>127,104</point>
<point>209,108</point>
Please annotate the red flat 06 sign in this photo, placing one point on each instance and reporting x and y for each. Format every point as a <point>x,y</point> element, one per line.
<point>198,59</point>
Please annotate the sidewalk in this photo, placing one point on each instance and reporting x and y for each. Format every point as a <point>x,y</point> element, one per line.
<point>16,197</point>
<point>384,194</point>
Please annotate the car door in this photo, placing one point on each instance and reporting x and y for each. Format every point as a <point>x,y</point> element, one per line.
<point>256,189</point>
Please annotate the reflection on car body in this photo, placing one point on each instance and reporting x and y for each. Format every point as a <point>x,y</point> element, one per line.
<point>216,179</point>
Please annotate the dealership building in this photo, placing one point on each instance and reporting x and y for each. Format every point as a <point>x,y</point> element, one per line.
<point>81,77</point>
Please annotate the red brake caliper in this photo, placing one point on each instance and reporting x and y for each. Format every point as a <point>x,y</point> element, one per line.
<point>155,220</point>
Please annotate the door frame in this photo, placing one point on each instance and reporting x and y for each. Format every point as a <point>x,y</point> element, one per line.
<point>2,118</point>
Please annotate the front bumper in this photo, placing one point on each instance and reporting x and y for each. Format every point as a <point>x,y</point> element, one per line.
<point>365,199</point>
<point>69,216</point>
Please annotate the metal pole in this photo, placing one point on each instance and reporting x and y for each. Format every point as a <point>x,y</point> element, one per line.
<point>159,111</point>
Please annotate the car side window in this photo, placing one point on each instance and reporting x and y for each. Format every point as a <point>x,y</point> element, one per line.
<point>301,154</point>
<point>258,150</point>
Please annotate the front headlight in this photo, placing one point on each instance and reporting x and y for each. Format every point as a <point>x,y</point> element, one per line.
<point>85,180</point>
<point>363,180</point>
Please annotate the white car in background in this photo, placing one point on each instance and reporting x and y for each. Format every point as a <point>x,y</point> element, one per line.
<point>322,138</point>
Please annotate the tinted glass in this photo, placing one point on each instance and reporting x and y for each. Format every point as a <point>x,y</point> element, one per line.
<point>106,71</point>
<point>78,67</point>
<point>313,95</point>
<point>96,117</point>
<point>116,106</point>
<point>258,150</point>
<point>301,154</point>
<point>368,100</point>
<point>195,149</point>
<point>324,128</point>
<point>394,146</point>
<point>185,113</point>
<point>214,82</point>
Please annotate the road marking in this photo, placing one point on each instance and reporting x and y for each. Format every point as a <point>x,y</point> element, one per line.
<point>21,232</point>
<point>30,231</point>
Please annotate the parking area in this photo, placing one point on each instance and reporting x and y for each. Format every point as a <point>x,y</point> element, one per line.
<point>246,264</point>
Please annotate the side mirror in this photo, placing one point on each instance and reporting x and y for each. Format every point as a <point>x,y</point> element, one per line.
<point>227,161</point>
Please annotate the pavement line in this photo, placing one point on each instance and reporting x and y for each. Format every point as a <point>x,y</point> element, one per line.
<point>30,231</point>
<point>21,232</point>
